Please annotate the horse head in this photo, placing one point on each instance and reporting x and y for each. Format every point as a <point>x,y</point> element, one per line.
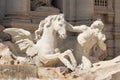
<point>58,24</point>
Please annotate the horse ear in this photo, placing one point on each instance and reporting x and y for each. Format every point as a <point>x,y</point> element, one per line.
<point>42,23</point>
<point>48,23</point>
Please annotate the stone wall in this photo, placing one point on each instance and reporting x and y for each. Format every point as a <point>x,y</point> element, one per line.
<point>76,11</point>
<point>18,7</point>
<point>117,27</point>
<point>58,4</point>
<point>2,9</point>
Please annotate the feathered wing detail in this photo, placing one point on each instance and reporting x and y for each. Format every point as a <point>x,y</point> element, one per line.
<point>18,34</point>
<point>22,38</point>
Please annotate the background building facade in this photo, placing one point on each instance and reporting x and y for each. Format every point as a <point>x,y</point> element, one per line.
<point>28,13</point>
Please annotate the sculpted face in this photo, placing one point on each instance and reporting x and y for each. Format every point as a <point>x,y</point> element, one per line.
<point>97,24</point>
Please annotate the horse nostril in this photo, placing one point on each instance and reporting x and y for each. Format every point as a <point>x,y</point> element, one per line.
<point>64,36</point>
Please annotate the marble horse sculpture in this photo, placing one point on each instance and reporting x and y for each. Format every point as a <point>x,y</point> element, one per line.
<point>45,51</point>
<point>46,45</point>
<point>87,38</point>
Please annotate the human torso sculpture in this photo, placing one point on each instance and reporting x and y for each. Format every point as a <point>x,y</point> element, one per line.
<point>87,38</point>
<point>91,36</point>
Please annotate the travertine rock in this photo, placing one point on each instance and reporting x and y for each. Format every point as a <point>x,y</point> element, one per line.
<point>105,70</point>
<point>13,48</point>
<point>6,56</point>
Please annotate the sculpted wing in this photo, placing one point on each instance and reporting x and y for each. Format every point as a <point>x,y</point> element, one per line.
<point>22,38</point>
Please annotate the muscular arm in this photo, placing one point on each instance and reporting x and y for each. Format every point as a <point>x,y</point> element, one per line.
<point>77,29</point>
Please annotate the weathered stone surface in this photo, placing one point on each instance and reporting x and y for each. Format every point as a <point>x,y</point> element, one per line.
<point>48,56</point>
<point>117,43</point>
<point>5,36</point>
<point>105,70</point>
<point>18,72</point>
<point>110,51</point>
<point>49,73</point>
<point>117,51</point>
<point>18,34</point>
<point>110,43</point>
<point>116,76</point>
<point>23,44</point>
<point>21,38</point>
<point>14,7</point>
<point>9,55</point>
<point>108,28</point>
<point>6,56</point>
<point>13,48</point>
<point>27,26</point>
<point>42,12</point>
<point>109,35</point>
<point>1,28</point>
<point>38,3</point>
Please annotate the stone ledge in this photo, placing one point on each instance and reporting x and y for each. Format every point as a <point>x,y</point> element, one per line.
<point>27,26</point>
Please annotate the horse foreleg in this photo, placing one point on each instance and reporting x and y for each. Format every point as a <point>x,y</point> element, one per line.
<point>65,62</point>
<point>72,58</point>
<point>52,57</point>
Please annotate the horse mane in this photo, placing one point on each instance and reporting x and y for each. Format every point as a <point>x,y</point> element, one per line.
<point>47,23</point>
